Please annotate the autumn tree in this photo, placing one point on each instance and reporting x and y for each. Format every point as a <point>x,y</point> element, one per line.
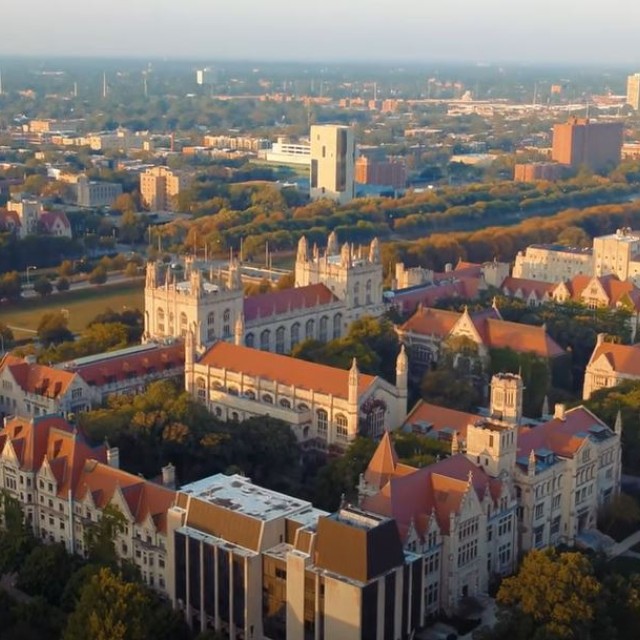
<point>43,286</point>
<point>54,328</point>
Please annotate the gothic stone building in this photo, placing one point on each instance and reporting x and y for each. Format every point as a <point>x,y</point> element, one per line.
<point>332,289</point>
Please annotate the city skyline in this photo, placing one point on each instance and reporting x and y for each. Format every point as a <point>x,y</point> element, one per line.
<point>404,31</point>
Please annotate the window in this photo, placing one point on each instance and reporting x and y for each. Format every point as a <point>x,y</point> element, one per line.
<point>342,427</point>
<point>337,326</point>
<point>467,552</point>
<point>211,319</point>
<point>183,324</point>
<point>322,421</point>
<point>368,292</point>
<point>295,334</point>
<point>76,393</point>
<point>504,554</point>
<point>267,398</point>
<point>280,340</point>
<point>538,536</point>
<point>160,320</point>
<point>422,354</point>
<point>309,330</point>
<point>555,526</point>
<point>356,294</point>
<point>556,502</point>
<point>375,422</point>
<point>265,340</point>
<point>211,329</point>
<point>201,390</point>
<point>504,525</point>
<point>171,322</point>
<point>285,403</point>
<point>250,340</point>
<point>539,511</point>
<point>324,329</point>
<point>226,323</point>
<point>250,394</point>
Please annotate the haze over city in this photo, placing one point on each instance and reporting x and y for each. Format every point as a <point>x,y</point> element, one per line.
<point>490,31</point>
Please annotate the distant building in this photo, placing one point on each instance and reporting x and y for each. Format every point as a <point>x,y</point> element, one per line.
<point>388,173</point>
<point>253,563</point>
<point>286,152</point>
<point>206,76</point>
<point>237,143</point>
<point>96,194</point>
<point>532,171</point>
<point>159,187</point>
<point>610,365</point>
<point>582,142</point>
<point>332,163</point>
<point>30,218</point>
<point>633,91</point>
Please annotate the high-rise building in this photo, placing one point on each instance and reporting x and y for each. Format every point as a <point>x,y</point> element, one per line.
<point>580,141</point>
<point>633,91</point>
<point>333,155</point>
<point>159,186</point>
<point>391,172</point>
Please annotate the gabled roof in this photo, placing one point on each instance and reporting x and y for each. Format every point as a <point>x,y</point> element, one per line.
<point>623,358</point>
<point>283,369</point>
<point>527,287</point>
<point>561,436</point>
<point>49,219</point>
<point>38,379</point>
<point>429,321</point>
<point>427,295</point>
<point>280,302</point>
<point>434,418</point>
<point>615,289</point>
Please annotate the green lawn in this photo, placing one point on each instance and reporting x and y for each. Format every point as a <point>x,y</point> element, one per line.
<point>82,306</point>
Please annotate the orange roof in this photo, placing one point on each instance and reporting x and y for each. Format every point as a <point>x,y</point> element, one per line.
<point>512,285</point>
<point>437,418</point>
<point>563,437</point>
<point>430,321</point>
<point>37,378</point>
<point>524,338</point>
<point>49,218</point>
<point>462,287</point>
<point>279,302</point>
<point>615,289</point>
<point>383,464</point>
<point>623,358</point>
<point>283,369</point>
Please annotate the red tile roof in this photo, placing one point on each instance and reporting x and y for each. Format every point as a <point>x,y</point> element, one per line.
<point>283,369</point>
<point>115,368</point>
<point>527,287</point>
<point>279,302</point>
<point>37,378</point>
<point>49,219</point>
<point>429,321</point>
<point>439,418</point>
<point>563,437</point>
<point>623,358</point>
<point>408,299</point>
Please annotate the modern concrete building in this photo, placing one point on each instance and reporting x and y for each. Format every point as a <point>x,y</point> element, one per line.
<point>333,155</point>
<point>90,193</point>
<point>252,563</point>
<point>286,152</point>
<point>633,91</point>
<point>583,142</point>
<point>533,171</point>
<point>159,187</point>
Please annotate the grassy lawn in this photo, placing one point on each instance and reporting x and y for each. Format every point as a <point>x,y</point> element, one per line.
<point>82,306</point>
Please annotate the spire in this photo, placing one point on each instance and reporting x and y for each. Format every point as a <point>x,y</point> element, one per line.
<point>455,444</point>
<point>345,255</point>
<point>374,251</point>
<point>152,275</point>
<point>354,376</point>
<point>383,462</point>
<point>189,350</point>
<point>239,330</point>
<point>618,425</point>
<point>545,408</point>
<point>532,463</point>
<point>332,244</point>
<point>402,362</point>
<point>303,250</point>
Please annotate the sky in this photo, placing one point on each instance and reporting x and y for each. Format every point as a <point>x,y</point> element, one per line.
<point>544,31</point>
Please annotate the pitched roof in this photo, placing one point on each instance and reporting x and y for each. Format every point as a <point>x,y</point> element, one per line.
<point>562,436</point>
<point>462,287</point>
<point>49,219</point>
<point>429,321</point>
<point>435,418</point>
<point>113,367</point>
<point>527,287</point>
<point>623,358</point>
<point>279,302</point>
<point>38,379</point>
<point>383,463</point>
<point>283,369</point>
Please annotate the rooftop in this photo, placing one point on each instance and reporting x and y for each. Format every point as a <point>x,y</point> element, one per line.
<point>237,493</point>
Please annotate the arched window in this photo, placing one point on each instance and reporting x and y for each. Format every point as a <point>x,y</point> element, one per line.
<point>375,422</point>
<point>233,391</point>
<point>218,412</point>
<point>201,390</point>
<point>280,340</point>
<point>295,334</point>
<point>309,330</point>
<point>171,323</point>
<point>226,323</point>
<point>265,340</point>
<point>211,331</point>
<point>268,398</point>
<point>368,291</point>
<point>303,407</point>
<point>324,329</point>
<point>356,294</point>
<point>160,320</point>
<point>422,354</point>
<point>183,324</point>
<point>250,394</point>
<point>235,417</point>
<point>250,340</point>
<point>322,422</point>
<point>285,403</point>
<point>342,427</point>
<point>337,326</point>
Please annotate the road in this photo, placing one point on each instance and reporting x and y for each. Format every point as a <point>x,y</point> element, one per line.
<point>115,278</point>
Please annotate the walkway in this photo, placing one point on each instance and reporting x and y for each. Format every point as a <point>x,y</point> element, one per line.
<point>7,583</point>
<point>624,545</point>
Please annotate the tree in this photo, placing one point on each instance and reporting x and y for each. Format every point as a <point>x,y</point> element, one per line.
<point>62,284</point>
<point>11,285</point>
<point>54,328</point>
<point>6,337</point>
<point>45,572</point>
<point>286,282</point>
<point>557,591</point>
<point>16,538</point>
<point>43,286</point>
<point>445,387</point>
<point>100,536</point>
<point>66,269</point>
<point>131,270</point>
<point>110,609</point>
<point>98,275</point>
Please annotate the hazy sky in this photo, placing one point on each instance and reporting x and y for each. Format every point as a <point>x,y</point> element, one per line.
<point>421,30</point>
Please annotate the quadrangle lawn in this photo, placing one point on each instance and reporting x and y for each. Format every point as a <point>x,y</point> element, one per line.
<point>81,306</point>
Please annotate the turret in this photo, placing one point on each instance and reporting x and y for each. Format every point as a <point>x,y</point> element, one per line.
<point>332,244</point>
<point>303,250</point>
<point>402,370</point>
<point>618,425</point>
<point>152,275</point>
<point>506,397</point>
<point>345,255</point>
<point>189,350</point>
<point>195,280</point>
<point>234,281</point>
<point>374,251</point>
<point>531,469</point>
<point>354,376</point>
<point>239,330</point>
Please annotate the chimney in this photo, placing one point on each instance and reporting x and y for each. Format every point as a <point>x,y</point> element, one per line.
<point>113,457</point>
<point>169,476</point>
<point>600,339</point>
<point>448,268</point>
<point>559,411</point>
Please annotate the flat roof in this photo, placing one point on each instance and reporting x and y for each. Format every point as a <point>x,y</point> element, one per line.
<point>240,495</point>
